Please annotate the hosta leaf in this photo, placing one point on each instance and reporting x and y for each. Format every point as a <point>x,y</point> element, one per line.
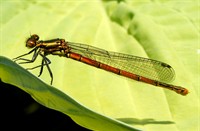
<point>99,100</point>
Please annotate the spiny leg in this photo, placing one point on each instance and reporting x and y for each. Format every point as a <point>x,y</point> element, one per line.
<point>42,64</point>
<point>45,62</point>
<point>50,72</point>
<point>27,60</point>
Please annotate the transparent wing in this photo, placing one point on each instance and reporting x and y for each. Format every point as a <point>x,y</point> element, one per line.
<point>149,68</point>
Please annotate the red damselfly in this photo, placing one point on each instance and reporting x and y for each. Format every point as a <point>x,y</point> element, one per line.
<point>138,68</point>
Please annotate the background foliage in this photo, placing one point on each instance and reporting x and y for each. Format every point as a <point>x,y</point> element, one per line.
<point>163,30</point>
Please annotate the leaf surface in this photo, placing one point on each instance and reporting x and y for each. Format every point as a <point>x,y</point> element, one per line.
<point>96,99</point>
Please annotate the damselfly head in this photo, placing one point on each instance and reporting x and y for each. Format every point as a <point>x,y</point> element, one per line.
<point>31,42</point>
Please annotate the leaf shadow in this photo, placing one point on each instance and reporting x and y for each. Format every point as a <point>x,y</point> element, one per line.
<point>143,121</point>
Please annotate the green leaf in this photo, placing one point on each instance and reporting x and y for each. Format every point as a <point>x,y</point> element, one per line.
<point>56,99</point>
<point>98,100</point>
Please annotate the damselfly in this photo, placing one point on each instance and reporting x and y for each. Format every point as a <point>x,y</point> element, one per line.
<point>138,68</point>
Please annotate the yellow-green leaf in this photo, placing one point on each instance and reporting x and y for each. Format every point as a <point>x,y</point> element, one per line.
<point>99,100</point>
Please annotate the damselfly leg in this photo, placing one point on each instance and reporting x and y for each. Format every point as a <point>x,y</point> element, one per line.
<point>36,52</point>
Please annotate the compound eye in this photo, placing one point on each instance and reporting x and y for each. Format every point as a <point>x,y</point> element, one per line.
<point>35,37</point>
<point>30,43</point>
